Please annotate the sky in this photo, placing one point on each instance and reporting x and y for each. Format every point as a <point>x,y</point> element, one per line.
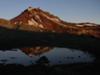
<point>68,10</point>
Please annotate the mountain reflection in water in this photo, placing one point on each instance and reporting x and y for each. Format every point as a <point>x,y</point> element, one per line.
<point>54,55</point>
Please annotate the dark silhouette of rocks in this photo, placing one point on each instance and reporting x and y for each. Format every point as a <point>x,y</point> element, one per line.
<point>43,61</point>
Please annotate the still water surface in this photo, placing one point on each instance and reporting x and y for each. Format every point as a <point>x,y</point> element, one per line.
<point>55,56</point>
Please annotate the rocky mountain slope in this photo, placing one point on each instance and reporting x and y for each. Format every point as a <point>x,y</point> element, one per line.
<point>35,19</point>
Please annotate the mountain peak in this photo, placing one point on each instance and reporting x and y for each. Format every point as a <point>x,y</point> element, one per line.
<point>29,8</point>
<point>36,19</point>
<point>33,9</point>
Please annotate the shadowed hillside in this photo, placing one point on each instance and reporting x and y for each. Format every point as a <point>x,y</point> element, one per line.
<point>17,39</point>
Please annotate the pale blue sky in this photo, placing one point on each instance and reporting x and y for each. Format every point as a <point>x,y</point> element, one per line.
<point>68,10</point>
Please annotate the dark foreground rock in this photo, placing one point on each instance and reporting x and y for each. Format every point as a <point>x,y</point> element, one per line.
<point>72,69</point>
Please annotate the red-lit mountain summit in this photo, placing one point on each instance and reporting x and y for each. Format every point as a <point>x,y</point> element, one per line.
<point>35,19</point>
